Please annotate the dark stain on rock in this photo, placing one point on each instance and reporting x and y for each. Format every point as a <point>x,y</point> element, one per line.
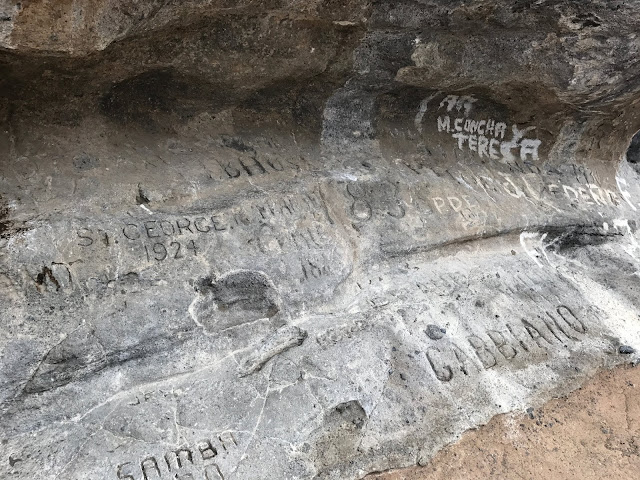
<point>4,222</point>
<point>79,351</point>
<point>234,299</point>
<point>85,162</point>
<point>141,197</point>
<point>568,238</point>
<point>237,144</point>
<point>633,153</point>
<point>7,226</point>
<point>349,415</point>
<point>434,332</point>
<point>245,291</point>
<point>157,98</point>
<point>338,438</point>
<point>82,354</point>
<point>47,274</point>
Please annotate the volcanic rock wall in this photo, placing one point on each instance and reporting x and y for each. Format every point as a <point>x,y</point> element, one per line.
<point>303,239</point>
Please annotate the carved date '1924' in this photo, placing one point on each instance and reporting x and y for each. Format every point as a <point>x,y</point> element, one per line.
<point>175,250</point>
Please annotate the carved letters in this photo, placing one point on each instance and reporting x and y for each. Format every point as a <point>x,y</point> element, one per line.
<point>515,340</point>
<point>186,462</point>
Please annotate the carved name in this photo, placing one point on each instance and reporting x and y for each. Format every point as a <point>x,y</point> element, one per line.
<point>505,345</point>
<point>184,463</point>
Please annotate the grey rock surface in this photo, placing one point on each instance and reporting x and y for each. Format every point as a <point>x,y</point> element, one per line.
<point>301,239</point>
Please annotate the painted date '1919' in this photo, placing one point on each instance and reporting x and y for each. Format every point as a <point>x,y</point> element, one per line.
<point>174,250</point>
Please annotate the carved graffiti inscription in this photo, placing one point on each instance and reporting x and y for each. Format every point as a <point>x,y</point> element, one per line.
<point>184,463</point>
<point>497,346</point>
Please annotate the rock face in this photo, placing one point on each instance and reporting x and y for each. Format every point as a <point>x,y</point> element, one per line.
<point>302,239</point>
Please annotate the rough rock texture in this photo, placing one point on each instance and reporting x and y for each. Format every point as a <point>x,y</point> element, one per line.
<point>592,434</point>
<point>298,239</point>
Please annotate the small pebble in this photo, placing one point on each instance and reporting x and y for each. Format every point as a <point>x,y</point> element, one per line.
<point>434,332</point>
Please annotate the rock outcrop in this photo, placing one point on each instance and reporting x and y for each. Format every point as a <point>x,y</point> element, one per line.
<point>302,239</point>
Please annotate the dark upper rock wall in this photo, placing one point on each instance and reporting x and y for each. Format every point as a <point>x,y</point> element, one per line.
<point>298,239</point>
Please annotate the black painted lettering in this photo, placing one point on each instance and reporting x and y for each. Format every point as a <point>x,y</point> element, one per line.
<point>443,372</point>
<point>150,227</point>
<point>86,240</point>
<point>183,223</point>
<point>198,223</point>
<point>131,231</point>
<point>485,356</point>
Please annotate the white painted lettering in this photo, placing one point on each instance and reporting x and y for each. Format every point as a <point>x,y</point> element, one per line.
<point>483,146</point>
<point>456,203</point>
<point>501,128</point>
<point>438,203</point>
<point>493,153</point>
<point>529,147</point>
<point>584,196</point>
<point>598,198</point>
<point>490,126</point>
<point>621,182</point>
<point>473,143</point>
<point>444,124</point>
<point>461,139</point>
<point>568,189</point>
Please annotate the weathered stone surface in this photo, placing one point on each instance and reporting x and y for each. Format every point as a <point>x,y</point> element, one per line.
<point>289,239</point>
<point>591,434</point>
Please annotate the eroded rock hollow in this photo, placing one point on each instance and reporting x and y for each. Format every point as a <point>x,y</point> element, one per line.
<point>299,239</point>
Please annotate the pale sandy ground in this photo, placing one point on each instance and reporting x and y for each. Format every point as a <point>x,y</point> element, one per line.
<point>594,433</point>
